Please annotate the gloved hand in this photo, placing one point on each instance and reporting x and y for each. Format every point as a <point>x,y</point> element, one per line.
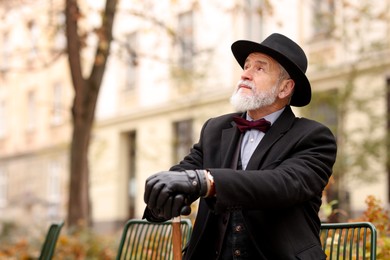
<point>161,190</point>
<point>173,207</point>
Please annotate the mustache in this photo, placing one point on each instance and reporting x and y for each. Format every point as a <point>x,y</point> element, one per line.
<point>247,83</point>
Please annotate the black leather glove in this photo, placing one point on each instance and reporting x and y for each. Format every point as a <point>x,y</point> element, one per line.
<point>162,188</point>
<point>173,207</point>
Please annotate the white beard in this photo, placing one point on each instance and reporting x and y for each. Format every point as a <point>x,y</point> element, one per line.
<point>244,101</point>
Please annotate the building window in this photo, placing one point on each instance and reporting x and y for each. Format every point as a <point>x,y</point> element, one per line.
<point>59,37</point>
<point>131,172</point>
<point>54,188</point>
<point>183,139</point>
<point>324,108</point>
<point>323,17</point>
<point>131,61</point>
<point>57,109</point>
<point>253,22</point>
<point>31,111</point>
<point>5,53</point>
<point>3,119</point>
<point>186,40</point>
<point>3,187</point>
<point>34,36</point>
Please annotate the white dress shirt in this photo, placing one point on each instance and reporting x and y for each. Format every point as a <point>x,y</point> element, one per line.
<point>252,138</point>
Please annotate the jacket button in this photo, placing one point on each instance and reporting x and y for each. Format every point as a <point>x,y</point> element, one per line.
<point>238,228</point>
<point>237,252</point>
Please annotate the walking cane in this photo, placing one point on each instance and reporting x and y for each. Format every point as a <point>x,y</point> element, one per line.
<point>176,238</point>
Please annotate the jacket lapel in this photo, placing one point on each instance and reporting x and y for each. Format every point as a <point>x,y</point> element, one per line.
<point>229,141</point>
<point>277,130</point>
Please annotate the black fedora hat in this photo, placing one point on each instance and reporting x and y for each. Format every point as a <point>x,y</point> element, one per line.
<point>288,54</point>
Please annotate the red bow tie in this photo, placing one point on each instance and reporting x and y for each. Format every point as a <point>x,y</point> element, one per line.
<point>243,124</point>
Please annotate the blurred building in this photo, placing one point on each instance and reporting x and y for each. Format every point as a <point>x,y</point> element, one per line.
<point>171,69</point>
<point>35,99</point>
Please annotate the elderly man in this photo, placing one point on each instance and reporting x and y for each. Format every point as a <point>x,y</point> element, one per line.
<point>260,173</point>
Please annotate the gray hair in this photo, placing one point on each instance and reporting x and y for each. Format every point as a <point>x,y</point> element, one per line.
<point>283,73</point>
<point>282,76</point>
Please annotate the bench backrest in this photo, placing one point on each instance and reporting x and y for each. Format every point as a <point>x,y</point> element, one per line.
<point>146,240</point>
<point>355,240</point>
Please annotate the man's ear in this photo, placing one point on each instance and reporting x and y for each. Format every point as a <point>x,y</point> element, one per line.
<point>286,88</point>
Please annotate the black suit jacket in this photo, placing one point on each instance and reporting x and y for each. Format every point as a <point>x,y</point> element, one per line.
<point>279,193</point>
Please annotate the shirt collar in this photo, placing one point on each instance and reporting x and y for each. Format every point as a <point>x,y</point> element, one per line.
<point>271,117</point>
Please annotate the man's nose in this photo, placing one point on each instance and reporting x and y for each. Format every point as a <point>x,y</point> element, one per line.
<point>246,75</point>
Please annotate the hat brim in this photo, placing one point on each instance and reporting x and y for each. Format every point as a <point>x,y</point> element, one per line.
<point>302,92</point>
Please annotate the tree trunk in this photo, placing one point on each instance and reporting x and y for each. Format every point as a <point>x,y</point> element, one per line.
<point>79,202</point>
<point>83,109</point>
